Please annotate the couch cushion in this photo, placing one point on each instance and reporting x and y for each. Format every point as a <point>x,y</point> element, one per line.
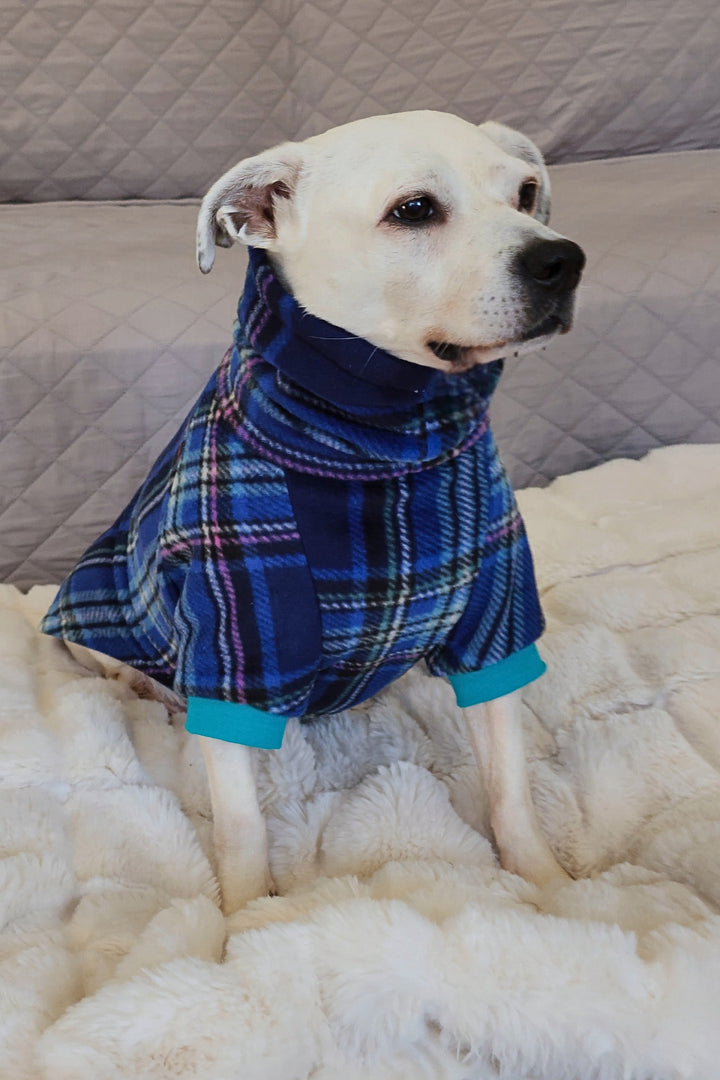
<point>108,332</point>
<point>150,99</point>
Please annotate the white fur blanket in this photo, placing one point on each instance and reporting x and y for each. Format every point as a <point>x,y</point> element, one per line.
<point>398,948</point>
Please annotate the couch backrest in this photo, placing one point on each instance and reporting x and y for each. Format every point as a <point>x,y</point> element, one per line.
<point>106,99</point>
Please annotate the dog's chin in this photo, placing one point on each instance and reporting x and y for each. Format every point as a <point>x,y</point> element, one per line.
<point>459,358</point>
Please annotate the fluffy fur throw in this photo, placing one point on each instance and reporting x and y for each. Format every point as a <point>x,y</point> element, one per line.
<point>398,948</point>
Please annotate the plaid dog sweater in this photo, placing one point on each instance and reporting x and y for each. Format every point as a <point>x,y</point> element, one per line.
<point>327,515</point>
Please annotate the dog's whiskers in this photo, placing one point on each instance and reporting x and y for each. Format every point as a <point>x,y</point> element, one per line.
<point>369,359</point>
<point>351,337</point>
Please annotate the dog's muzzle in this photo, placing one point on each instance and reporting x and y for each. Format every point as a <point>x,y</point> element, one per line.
<point>549,271</point>
<point>550,267</point>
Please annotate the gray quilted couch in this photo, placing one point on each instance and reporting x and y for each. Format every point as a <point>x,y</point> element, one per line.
<point>116,117</point>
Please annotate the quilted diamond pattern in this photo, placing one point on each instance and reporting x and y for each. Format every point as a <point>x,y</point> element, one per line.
<point>108,332</point>
<point>641,368</point>
<point>154,99</point>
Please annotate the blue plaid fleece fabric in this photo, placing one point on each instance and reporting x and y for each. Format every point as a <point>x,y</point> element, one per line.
<point>327,515</point>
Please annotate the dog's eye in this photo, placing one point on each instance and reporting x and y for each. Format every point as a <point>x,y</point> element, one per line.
<point>415,211</point>
<point>527,196</point>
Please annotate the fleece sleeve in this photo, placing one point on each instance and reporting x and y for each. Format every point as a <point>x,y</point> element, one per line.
<point>248,643</point>
<point>245,623</point>
<point>497,680</point>
<point>234,722</point>
<point>491,650</point>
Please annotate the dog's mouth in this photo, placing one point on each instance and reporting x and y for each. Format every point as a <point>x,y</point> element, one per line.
<point>463,357</point>
<point>445,350</point>
<point>549,324</point>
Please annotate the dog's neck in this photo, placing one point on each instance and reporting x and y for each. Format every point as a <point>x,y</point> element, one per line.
<point>333,364</point>
<point>309,395</point>
<point>328,361</point>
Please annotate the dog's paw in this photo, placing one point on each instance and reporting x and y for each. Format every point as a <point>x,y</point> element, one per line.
<point>523,848</point>
<point>236,892</point>
<point>243,873</point>
<point>535,863</point>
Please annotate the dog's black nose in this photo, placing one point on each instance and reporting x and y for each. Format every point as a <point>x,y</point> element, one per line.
<point>553,265</point>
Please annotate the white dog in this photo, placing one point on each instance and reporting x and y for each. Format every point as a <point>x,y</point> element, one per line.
<point>426,237</point>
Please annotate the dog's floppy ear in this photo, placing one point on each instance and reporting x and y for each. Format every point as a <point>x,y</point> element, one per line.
<point>242,204</point>
<point>518,145</point>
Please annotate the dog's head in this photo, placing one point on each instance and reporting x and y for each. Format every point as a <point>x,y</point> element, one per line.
<point>420,232</point>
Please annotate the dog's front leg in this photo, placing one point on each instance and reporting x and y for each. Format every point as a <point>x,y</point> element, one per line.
<point>239,832</point>
<point>495,730</point>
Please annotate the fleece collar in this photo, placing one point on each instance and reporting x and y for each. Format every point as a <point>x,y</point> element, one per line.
<point>311,396</point>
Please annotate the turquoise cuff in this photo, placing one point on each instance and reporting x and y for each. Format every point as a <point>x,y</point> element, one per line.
<point>232,722</point>
<point>474,687</point>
